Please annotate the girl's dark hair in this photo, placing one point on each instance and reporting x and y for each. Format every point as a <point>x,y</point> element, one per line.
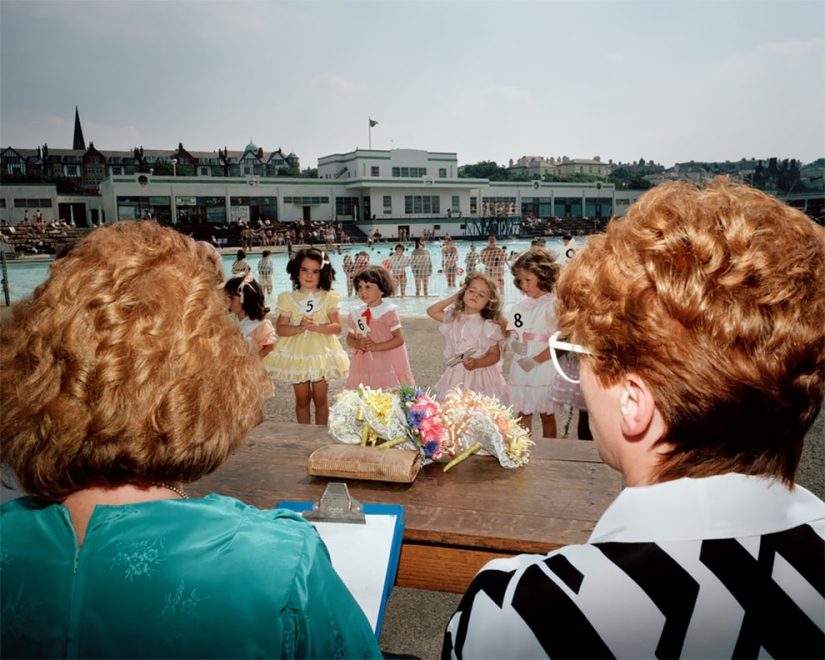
<point>542,264</point>
<point>399,246</point>
<point>327,271</point>
<point>252,298</point>
<point>492,310</point>
<point>419,242</point>
<point>241,255</point>
<point>377,275</point>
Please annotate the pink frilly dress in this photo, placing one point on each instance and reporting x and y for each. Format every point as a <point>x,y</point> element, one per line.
<point>473,336</point>
<point>378,369</point>
<point>257,333</point>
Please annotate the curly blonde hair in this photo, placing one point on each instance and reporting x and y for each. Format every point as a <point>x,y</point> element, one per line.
<point>119,368</point>
<point>492,310</point>
<point>716,297</point>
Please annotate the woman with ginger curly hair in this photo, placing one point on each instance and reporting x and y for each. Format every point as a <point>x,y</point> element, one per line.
<point>123,379</point>
<point>699,318</point>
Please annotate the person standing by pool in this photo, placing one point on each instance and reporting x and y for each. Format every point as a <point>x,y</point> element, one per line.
<point>491,257</point>
<point>265,272</point>
<point>240,266</point>
<point>472,258</point>
<point>398,265</point>
<point>568,251</point>
<point>449,260</point>
<point>362,260</point>
<point>349,272</point>
<point>422,267</point>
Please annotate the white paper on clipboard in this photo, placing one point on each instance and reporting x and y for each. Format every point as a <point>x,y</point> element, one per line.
<point>361,555</point>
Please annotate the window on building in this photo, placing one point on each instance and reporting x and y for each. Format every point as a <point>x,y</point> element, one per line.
<point>456,207</point>
<point>374,170</point>
<point>204,171</point>
<point>409,172</point>
<point>422,204</point>
<point>309,201</point>
<point>473,205</point>
<point>387,204</point>
<point>71,170</point>
<point>442,172</point>
<point>345,206</point>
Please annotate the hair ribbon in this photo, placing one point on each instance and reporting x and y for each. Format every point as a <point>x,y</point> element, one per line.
<point>244,283</point>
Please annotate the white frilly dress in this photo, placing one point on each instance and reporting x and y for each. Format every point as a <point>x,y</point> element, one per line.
<point>535,320</point>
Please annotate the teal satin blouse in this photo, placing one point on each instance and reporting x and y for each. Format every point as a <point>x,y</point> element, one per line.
<point>199,578</point>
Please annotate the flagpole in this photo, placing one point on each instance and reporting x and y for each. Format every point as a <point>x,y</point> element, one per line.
<point>369,123</point>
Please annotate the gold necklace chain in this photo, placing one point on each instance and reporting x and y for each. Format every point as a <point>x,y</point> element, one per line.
<point>174,489</point>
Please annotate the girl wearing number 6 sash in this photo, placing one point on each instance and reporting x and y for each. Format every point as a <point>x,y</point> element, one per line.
<point>380,359</point>
<point>530,323</point>
<point>309,321</point>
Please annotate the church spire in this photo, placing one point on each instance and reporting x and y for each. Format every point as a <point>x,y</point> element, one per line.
<point>79,142</point>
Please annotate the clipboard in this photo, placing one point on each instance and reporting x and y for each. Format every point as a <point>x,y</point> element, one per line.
<point>364,544</point>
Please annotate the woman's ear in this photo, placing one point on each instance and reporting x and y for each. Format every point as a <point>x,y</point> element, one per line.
<point>638,406</point>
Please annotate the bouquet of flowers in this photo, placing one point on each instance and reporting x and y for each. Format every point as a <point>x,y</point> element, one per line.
<point>464,423</point>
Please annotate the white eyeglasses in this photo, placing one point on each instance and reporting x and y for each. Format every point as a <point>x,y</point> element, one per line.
<point>555,345</point>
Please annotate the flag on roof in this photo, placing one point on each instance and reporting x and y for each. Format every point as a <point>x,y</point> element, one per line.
<point>373,123</point>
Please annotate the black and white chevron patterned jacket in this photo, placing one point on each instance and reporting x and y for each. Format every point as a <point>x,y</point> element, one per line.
<point>722,567</point>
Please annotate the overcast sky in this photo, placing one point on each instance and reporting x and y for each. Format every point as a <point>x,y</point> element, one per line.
<point>670,81</point>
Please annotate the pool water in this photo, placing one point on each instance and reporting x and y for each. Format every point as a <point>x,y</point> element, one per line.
<point>25,276</point>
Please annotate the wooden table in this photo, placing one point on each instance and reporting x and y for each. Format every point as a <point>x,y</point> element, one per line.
<point>455,522</point>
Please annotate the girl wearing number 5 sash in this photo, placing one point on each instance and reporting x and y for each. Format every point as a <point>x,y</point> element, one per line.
<point>309,321</point>
<point>531,322</point>
<point>380,360</point>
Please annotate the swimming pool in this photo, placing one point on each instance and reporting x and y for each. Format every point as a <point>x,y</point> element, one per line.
<point>24,276</point>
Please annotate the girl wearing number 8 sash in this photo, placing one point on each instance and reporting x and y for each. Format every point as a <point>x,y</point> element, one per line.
<point>309,321</point>
<point>530,322</point>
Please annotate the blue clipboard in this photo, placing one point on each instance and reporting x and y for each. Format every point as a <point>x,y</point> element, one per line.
<point>396,510</point>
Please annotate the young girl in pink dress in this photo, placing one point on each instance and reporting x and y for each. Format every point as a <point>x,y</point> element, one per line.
<point>380,360</point>
<point>471,321</point>
<point>246,304</point>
